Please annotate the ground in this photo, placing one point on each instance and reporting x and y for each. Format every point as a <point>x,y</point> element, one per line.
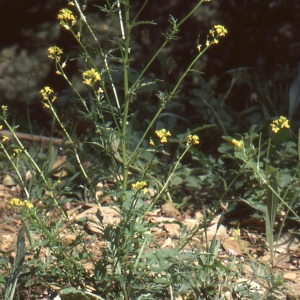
<point>166,222</point>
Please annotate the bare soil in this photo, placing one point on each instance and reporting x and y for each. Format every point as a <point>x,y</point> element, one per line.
<point>167,221</point>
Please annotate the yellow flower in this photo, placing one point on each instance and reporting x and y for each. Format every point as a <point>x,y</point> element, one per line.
<point>46,92</point>
<point>46,105</point>
<point>27,204</point>
<point>192,140</point>
<point>281,122</point>
<point>16,202</point>
<point>215,33</point>
<point>91,76</point>
<point>54,53</point>
<point>1,127</point>
<point>66,18</point>
<point>220,30</point>
<point>151,143</point>
<point>237,143</point>
<point>17,152</point>
<point>140,186</point>
<point>5,138</point>
<point>237,233</point>
<point>163,134</point>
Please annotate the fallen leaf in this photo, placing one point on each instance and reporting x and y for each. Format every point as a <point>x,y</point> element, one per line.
<point>169,210</point>
<point>172,229</point>
<point>232,246</point>
<point>60,167</point>
<point>290,276</point>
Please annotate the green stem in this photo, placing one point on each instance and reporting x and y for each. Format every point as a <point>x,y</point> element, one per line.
<point>15,168</point>
<point>70,140</point>
<point>126,98</point>
<point>191,12</point>
<point>167,40</point>
<point>103,55</point>
<point>140,11</point>
<point>28,234</point>
<point>77,158</point>
<point>145,134</point>
<point>241,171</point>
<point>277,195</point>
<point>162,190</point>
<point>173,92</point>
<point>188,69</point>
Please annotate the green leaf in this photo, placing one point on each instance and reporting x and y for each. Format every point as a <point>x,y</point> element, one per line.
<point>255,205</point>
<point>294,95</point>
<point>72,293</point>
<point>17,268</point>
<point>2,280</point>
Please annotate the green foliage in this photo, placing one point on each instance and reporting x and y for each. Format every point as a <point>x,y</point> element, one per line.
<point>149,161</point>
<point>127,268</point>
<point>269,165</point>
<point>18,266</point>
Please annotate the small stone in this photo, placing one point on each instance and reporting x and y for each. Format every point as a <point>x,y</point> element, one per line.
<point>8,181</point>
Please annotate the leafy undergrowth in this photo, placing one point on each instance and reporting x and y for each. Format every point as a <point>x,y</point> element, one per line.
<point>230,253</point>
<point>134,208</point>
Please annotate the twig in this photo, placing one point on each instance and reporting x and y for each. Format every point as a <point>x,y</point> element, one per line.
<point>35,138</point>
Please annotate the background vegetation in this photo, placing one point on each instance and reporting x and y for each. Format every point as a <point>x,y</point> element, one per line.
<point>241,98</point>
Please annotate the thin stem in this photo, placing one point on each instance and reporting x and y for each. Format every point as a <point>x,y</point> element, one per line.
<point>76,154</point>
<point>241,170</point>
<point>70,140</point>
<point>121,21</point>
<point>104,56</point>
<point>145,134</point>
<point>164,104</point>
<point>140,11</point>
<point>126,98</point>
<point>25,151</point>
<point>167,40</point>
<point>60,69</point>
<point>162,190</point>
<point>191,12</point>
<point>15,168</point>
<point>188,69</point>
<point>276,194</point>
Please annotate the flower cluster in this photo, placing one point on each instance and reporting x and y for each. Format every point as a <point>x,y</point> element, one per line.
<point>220,30</point>
<point>280,123</point>
<point>91,76</point>
<point>55,53</point>
<point>4,111</point>
<point>216,32</point>
<point>237,143</point>
<point>140,186</point>
<point>17,151</point>
<point>66,18</point>
<point>163,134</point>
<point>16,202</point>
<point>192,140</point>
<point>46,92</point>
